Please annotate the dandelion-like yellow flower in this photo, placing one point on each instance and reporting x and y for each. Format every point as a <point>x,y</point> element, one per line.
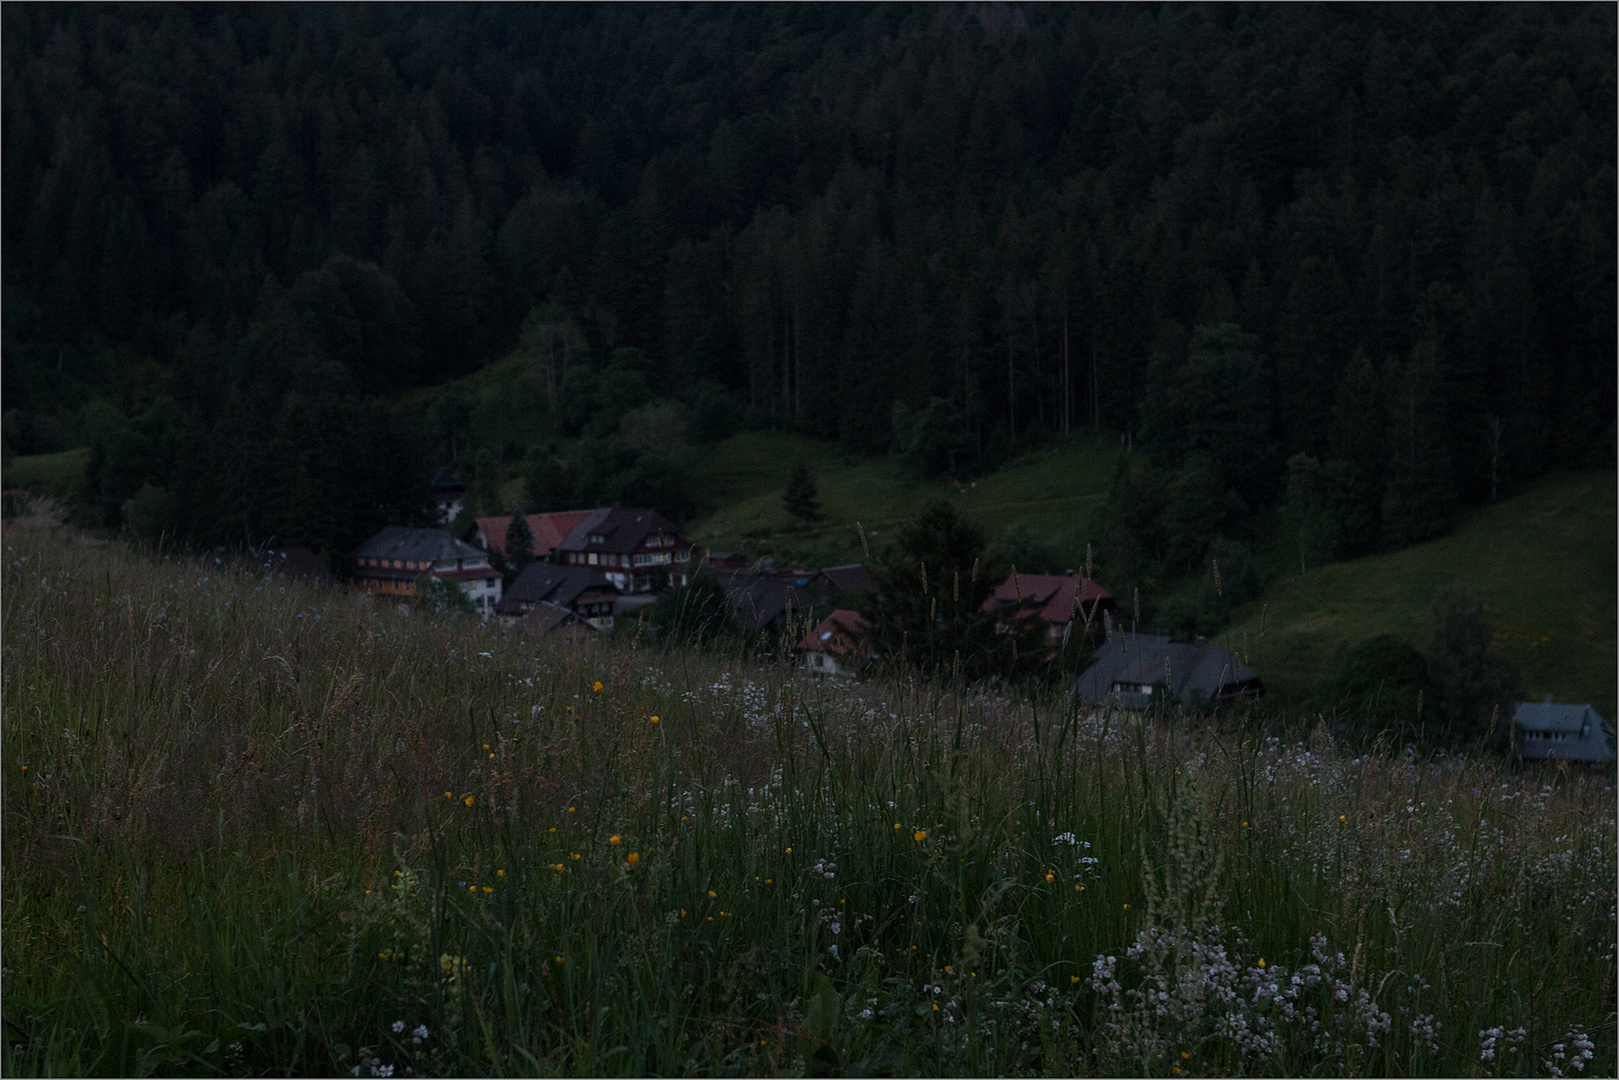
<point>472,888</point>
<point>1050,877</point>
<point>1261,961</point>
<point>948,969</point>
<point>487,889</point>
<point>710,918</point>
<point>789,850</point>
<point>559,868</point>
<point>486,746</point>
<point>574,855</point>
<point>654,720</point>
<point>1245,824</point>
<point>467,800</point>
<point>920,835</point>
<point>1073,979</point>
<point>573,809</point>
<point>491,757</point>
<point>553,828</point>
<point>447,795</point>
<point>615,839</point>
<point>1079,888</point>
<point>1186,1055</point>
<point>1342,818</point>
<point>898,826</point>
<point>1127,907</point>
<point>561,961</point>
<point>712,894</point>
<point>935,1006</point>
<point>633,857</point>
<point>1176,1070</point>
<point>500,873</point>
<point>770,881</point>
<point>597,686</point>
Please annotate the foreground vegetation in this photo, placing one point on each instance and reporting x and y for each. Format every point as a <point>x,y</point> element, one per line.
<point>254,829</point>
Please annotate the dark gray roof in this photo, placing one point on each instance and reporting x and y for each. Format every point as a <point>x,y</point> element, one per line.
<point>422,545</point>
<point>546,583</point>
<point>622,530</point>
<point>1570,732</point>
<point>1190,673</point>
<point>850,576</point>
<point>545,617</point>
<point>293,562</point>
<point>760,599</point>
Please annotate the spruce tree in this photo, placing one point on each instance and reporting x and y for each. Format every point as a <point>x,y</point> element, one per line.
<point>801,499</point>
<point>519,545</point>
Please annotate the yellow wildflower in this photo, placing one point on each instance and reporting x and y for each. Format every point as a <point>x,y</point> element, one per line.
<point>633,857</point>
<point>615,839</point>
<point>921,835</point>
<point>597,686</point>
<point>467,800</point>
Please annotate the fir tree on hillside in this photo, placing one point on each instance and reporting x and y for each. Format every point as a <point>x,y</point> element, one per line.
<point>519,545</point>
<point>801,499</point>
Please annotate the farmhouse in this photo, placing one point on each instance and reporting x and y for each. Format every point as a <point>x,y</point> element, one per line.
<point>450,494</point>
<point>578,589</point>
<point>631,546</point>
<point>837,645</point>
<point>389,563</point>
<point>1543,730</point>
<point>1064,601</point>
<point>1137,670</point>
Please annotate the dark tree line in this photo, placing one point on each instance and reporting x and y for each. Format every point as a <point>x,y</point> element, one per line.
<point>232,234</point>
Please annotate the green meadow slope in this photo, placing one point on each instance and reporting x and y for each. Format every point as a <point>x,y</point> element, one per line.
<point>1052,493</point>
<point>1542,561</point>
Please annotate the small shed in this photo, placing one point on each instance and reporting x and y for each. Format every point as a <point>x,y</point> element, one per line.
<point>1570,732</point>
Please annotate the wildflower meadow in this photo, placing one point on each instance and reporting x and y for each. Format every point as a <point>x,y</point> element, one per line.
<point>251,828</point>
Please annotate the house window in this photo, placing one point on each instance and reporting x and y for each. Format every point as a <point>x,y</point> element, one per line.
<point>597,538</point>
<point>592,558</point>
<point>683,555</point>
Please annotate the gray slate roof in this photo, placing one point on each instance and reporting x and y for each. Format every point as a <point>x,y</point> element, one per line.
<point>1571,732</point>
<point>760,599</point>
<point>1190,673</point>
<point>422,545</point>
<point>546,583</point>
<point>546,617</point>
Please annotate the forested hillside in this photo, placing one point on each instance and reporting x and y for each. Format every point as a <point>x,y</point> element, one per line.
<point>234,239</point>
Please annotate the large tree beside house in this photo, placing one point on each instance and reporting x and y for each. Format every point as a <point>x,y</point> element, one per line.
<point>932,608</point>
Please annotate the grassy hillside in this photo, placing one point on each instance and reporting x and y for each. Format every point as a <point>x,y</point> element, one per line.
<point>55,474</point>
<point>1542,561</point>
<point>253,828</point>
<point>1052,492</point>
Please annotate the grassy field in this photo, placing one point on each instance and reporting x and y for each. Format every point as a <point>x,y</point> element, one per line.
<point>54,474</point>
<point>252,829</point>
<point>1052,493</point>
<point>1542,561</point>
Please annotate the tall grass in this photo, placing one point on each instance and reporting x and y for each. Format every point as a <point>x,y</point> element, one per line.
<point>250,828</point>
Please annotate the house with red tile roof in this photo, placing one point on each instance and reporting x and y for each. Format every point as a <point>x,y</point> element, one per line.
<point>837,646</point>
<point>1064,601</point>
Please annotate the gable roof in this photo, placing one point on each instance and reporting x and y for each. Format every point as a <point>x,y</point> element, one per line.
<point>1192,672</point>
<point>545,617</point>
<point>843,631</point>
<point>544,583</point>
<point>850,576</point>
<point>1572,732</point>
<point>1056,595</point>
<point>548,530</point>
<point>623,530</point>
<point>760,599</point>
<point>421,545</point>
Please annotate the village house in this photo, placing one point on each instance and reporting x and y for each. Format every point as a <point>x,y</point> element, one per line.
<point>1544,730</point>
<point>1065,602</point>
<point>547,531</point>
<point>390,562</point>
<point>1138,670</point>
<point>587,593</point>
<point>837,646</point>
<point>632,546</point>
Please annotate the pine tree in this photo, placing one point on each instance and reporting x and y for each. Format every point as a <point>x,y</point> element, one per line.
<point>519,545</point>
<point>801,498</point>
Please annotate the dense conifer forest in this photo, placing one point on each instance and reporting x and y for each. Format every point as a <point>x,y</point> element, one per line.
<point>1357,258</point>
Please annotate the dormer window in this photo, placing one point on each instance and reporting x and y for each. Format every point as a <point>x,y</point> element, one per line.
<point>596,538</point>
